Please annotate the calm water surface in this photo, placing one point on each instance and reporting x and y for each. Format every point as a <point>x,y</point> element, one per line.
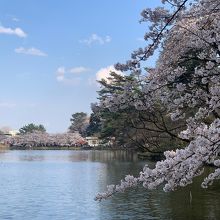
<point>54,185</point>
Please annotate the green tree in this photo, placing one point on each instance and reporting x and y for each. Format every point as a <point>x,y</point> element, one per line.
<point>94,127</point>
<point>79,123</point>
<point>30,128</point>
<point>149,130</point>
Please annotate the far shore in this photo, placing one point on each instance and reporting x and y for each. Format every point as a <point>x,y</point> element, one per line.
<point>7,147</point>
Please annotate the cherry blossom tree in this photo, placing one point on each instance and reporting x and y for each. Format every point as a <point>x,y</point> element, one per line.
<point>43,139</point>
<point>186,78</point>
<point>146,129</point>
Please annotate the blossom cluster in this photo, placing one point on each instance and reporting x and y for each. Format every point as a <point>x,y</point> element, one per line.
<point>185,79</point>
<point>42,139</point>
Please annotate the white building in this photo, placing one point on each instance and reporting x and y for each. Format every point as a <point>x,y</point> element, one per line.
<point>11,133</point>
<point>93,141</point>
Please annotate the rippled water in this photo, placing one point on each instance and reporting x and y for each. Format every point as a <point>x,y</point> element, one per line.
<point>61,185</point>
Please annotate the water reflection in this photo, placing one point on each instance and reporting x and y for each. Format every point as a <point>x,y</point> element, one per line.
<point>114,155</point>
<point>62,184</point>
<point>191,202</point>
<point>65,156</point>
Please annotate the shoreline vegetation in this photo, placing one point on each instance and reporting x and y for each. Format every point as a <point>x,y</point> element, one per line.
<point>85,147</point>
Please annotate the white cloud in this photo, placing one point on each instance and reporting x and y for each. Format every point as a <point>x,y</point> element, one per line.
<point>69,81</point>
<point>104,73</point>
<point>60,74</point>
<point>108,39</point>
<point>61,70</point>
<point>17,31</point>
<point>30,51</point>
<point>94,38</point>
<point>79,69</point>
<point>66,76</point>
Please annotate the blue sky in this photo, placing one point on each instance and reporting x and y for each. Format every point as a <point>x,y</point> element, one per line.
<point>52,50</point>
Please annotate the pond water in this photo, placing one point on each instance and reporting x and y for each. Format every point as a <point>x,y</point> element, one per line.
<point>62,185</point>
